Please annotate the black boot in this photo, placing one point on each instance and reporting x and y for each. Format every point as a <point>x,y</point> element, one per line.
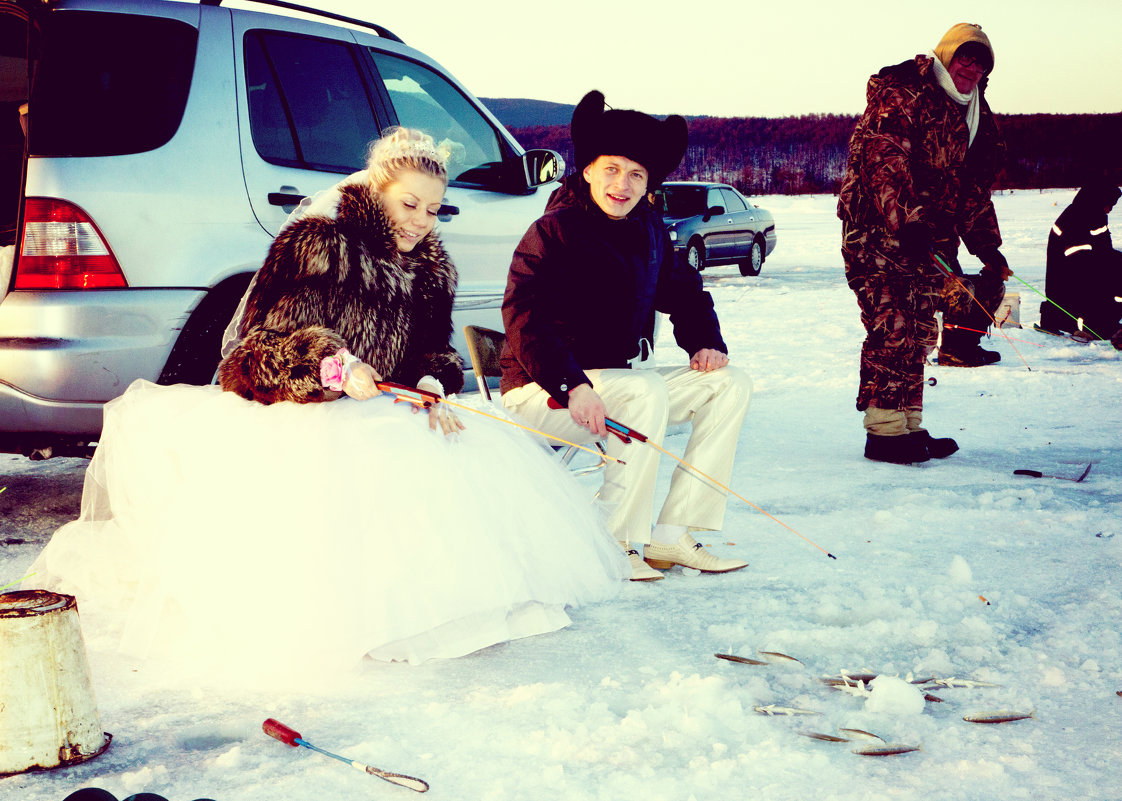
<point>902,449</point>
<point>961,349</point>
<point>937,448</point>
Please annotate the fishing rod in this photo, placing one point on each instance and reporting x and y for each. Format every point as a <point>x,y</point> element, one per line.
<point>626,434</point>
<point>1061,308</point>
<point>424,399</point>
<point>979,331</point>
<point>946,269</point>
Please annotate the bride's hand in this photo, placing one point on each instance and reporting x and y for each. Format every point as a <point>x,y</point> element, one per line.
<point>442,416</point>
<point>361,381</point>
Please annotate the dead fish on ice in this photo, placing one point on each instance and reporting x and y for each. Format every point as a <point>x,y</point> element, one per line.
<point>888,749</point>
<point>773,709</point>
<point>1002,716</point>
<point>780,656</point>
<point>954,682</point>
<point>849,678</point>
<point>741,659</point>
<point>828,738</point>
<point>861,734</point>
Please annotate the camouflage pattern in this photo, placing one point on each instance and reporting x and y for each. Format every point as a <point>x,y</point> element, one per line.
<point>909,162</point>
<point>972,300</point>
<point>899,318</point>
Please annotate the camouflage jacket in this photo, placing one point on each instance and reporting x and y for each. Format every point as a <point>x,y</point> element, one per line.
<point>909,161</point>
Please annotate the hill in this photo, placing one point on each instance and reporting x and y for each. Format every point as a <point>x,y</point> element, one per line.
<point>806,154</point>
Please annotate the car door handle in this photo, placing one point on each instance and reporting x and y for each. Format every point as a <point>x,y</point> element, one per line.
<point>445,212</point>
<point>284,199</point>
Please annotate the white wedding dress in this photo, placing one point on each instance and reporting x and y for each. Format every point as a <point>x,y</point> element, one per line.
<point>291,538</point>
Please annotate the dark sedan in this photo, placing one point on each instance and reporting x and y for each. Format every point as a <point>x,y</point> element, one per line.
<point>715,224</point>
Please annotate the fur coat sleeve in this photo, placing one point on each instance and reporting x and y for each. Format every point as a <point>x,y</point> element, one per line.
<point>333,283</point>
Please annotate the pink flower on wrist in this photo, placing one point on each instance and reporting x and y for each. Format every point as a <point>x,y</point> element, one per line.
<point>333,369</point>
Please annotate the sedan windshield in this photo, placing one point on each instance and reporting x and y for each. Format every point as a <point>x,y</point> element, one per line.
<point>682,201</point>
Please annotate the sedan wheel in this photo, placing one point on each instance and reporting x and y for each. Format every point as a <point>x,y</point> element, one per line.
<point>695,257</point>
<point>754,262</point>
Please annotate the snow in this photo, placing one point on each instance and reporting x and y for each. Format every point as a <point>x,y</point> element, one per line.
<point>954,568</point>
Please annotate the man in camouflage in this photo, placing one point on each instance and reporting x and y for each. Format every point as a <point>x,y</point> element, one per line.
<point>922,161</point>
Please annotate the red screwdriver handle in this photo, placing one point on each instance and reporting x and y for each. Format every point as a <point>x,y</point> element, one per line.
<point>277,730</point>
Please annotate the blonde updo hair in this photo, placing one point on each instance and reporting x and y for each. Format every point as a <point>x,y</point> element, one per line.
<point>405,149</point>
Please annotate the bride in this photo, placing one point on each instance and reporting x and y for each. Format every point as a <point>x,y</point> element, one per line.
<point>296,518</point>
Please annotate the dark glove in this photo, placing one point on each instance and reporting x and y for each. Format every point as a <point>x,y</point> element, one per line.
<point>994,264</point>
<point>915,241</point>
<point>952,262</point>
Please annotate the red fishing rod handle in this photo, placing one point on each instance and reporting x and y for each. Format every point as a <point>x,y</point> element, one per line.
<point>278,731</point>
<point>618,429</point>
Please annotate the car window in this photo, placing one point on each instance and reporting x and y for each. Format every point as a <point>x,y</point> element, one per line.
<point>426,100</point>
<point>683,201</point>
<point>715,198</point>
<point>732,200</point>
<point>110,84</point>
<point>308,105</point>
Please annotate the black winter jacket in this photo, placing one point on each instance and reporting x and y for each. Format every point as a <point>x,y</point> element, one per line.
<point>583,290</point>
<point>1084,272</point>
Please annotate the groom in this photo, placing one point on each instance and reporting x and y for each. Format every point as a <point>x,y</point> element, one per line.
<point>579,311</point>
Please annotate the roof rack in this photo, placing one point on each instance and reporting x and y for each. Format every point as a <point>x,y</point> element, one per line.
<point>385,33</point>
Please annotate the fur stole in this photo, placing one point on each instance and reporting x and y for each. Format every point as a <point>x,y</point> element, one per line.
<point>333,283</point>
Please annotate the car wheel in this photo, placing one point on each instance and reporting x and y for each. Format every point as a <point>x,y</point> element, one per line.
<point>695,256</point>
<point>754,262</point>
<point>195,357</point>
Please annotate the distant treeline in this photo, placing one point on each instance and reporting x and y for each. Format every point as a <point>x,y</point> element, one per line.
<point>800,155</point>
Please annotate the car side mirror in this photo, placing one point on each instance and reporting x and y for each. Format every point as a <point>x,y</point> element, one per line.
<point>713,211</point>
<point>542,166</point>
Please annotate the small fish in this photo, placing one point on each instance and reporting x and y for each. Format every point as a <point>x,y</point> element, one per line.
<point>778,655</point>
<point>861,734</point>
<point>742,659</point>
<point>1002,716</point>
<point>849,678</point>
<point>957,682</point>
<point>932,699</point>
<point>859,689</point>
<point>888,749</point>
<point>772,709</point>
<point>829,738</point>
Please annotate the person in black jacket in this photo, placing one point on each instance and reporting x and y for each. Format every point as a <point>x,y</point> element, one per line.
<point>579,311</point>
<point>1084,275</point>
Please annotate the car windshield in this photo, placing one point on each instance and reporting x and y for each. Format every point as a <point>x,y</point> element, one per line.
<point>682,201</point>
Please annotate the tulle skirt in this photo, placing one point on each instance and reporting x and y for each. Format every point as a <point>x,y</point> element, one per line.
<point>293,538</point>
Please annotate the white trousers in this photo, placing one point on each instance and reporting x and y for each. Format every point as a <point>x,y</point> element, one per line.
<point>648,400</point>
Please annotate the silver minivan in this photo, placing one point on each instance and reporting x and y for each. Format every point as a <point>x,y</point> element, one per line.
<point>161,144</point>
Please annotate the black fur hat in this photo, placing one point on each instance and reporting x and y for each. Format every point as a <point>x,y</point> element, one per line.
<point>657,145</point>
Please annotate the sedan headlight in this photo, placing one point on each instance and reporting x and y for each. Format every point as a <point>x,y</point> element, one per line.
<point>673,235</point>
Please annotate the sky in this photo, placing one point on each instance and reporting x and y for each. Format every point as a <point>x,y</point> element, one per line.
<point>737,58</point>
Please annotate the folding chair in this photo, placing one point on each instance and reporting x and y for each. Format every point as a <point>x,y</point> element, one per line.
<point>484,346</point>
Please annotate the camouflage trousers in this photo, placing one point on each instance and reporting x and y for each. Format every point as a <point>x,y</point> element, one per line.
<point>898,313</point>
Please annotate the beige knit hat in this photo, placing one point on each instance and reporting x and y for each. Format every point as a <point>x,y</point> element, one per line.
<point>958,35</point>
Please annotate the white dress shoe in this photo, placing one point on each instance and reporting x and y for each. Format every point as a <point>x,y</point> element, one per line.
<point>688,552</point>
<point>640,570</point>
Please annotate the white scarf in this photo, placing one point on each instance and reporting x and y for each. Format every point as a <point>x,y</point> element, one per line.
<point>972,101</point>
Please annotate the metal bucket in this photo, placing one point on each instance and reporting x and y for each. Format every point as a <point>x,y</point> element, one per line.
<point>1008,314</point>
<point>48,717</point>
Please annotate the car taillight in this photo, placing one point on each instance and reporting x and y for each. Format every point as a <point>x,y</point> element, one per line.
<point>62,249</point>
